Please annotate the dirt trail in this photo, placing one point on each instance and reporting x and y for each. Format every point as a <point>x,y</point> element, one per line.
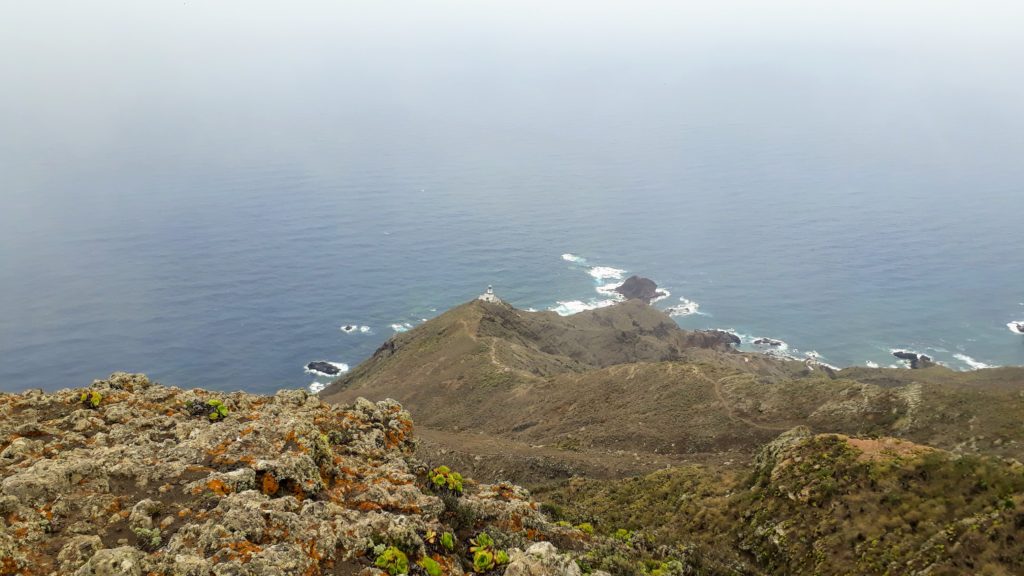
<point>493,351</point>
<point>717,384</point>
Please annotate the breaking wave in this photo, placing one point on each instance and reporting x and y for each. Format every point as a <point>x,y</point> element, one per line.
<point>570,307</point>
<point>607,273</point>
<point>574,258</point>
<point>971,362</point>
<point>684,308</point>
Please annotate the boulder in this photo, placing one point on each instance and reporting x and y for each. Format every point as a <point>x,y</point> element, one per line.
<point>541,559</point>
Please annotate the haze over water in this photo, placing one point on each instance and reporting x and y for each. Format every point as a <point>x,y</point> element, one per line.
<point>205,192</point>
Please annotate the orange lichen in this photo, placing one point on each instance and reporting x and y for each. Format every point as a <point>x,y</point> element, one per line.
<point>220,449</point>
<point>270,485</point>
<point>315,556</point>
<point>218,487</point>
<point>9,567</point>
<point>243,550</point>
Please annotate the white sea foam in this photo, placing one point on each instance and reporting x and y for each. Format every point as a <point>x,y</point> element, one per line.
<point>316,387</point>
<point>364,329</point>
<point>684,308</point>
<point>607,273</point>
<point>574,258</point>
<point>974,364</point>
<point>341,366</point>
<point>871,364</point>
<point>403,327</point>
<point>609,290</point>
<point>570,307</point>
<point>1016,327</point>
<point>664,294</point>
<point>352,328</point>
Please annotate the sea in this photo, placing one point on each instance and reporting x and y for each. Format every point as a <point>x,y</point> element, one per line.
<point>218,193</point>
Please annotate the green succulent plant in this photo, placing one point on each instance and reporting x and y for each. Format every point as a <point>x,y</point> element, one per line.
<point>393,561</point>
<point>448,541</point>
<point>430,566</point>
<point>483,561</point>
<point>91,399</point>
<point>485,557</point>
<point>586,528</point>
<point>218,411</point>
<point>443,478</point>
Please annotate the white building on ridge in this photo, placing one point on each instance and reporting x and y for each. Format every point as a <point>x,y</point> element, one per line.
<point>489,296</point>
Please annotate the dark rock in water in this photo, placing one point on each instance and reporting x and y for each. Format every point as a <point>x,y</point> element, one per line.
<point>323,368</point>
<point>768,342</point>
<point>715,339</point>
<point>916,360</point>
<point>638,288</point>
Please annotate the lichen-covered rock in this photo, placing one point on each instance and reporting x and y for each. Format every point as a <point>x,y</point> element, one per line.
<point>123,561</point>
<point>285,484</point>
<point>541,559</point>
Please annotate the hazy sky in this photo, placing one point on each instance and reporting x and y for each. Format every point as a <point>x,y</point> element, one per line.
<point>94,82</point>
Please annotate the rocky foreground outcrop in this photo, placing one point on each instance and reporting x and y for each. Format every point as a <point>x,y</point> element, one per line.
<point>129,477</point>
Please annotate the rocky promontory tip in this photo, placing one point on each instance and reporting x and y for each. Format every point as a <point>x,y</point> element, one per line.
<point>126,477</point>
<point>916,360</point>
<point>640,288</point>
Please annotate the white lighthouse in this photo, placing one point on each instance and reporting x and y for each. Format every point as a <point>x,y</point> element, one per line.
<point>489,296</point>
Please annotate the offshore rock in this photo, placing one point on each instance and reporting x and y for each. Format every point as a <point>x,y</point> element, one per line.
<point>639,288</point>
<point>916,360</point>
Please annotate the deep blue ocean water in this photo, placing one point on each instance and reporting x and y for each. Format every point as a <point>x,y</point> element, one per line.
<point>207,193</point>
